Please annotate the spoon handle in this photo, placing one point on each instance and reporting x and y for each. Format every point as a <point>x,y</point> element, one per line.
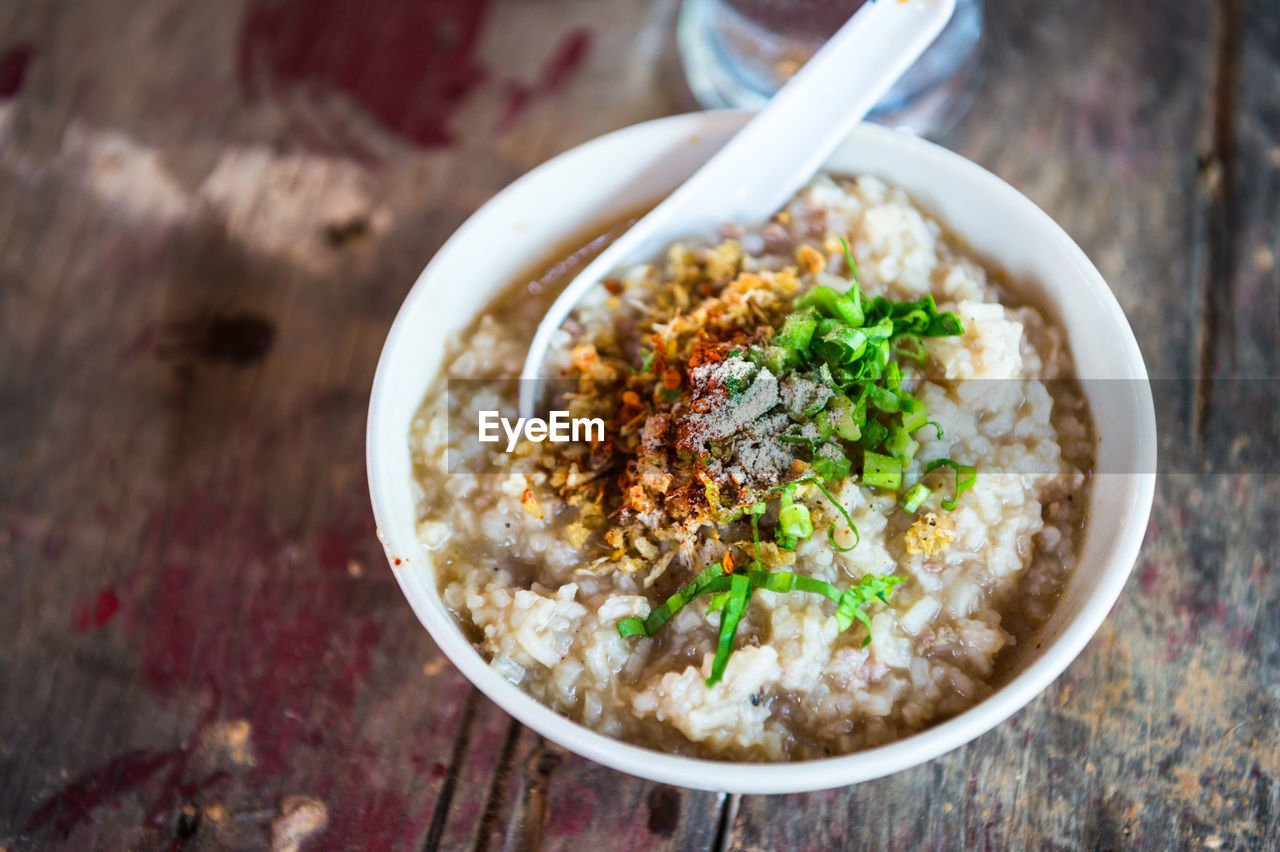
<point>780,149</point>
<point>774,154</point>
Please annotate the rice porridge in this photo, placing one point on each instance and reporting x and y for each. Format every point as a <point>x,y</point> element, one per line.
<point>840,486</point>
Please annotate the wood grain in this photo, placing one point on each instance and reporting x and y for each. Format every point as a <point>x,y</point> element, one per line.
<point>208,217</point>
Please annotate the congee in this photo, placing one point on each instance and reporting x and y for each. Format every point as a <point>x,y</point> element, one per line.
<point>830,482</point>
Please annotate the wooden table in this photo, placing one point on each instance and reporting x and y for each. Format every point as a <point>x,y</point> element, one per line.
<point>209,213</point>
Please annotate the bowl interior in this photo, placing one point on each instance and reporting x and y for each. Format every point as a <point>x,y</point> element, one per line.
<point>617,173</point>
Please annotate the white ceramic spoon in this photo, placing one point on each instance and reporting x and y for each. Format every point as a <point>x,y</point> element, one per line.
<point>772,156</point>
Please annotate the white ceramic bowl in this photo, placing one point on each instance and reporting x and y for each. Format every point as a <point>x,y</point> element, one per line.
<point>609,176</point>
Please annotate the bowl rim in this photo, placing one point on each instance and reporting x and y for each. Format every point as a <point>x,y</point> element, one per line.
<point>805,775</point>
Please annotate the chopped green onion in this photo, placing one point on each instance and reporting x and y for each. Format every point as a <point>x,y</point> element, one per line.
<point>881,471</point>
<point>794,521</point>
<point>797,439</point>
<point>816,404</point>
<point>662,614</point>
<point>853,267</point>
<point>833,304</point>
<point>732,593</point>
<point>914,420</point>
<point>920,317</point>
<point>873,434</point>
<point>796,332</point>
<point>830,463</point>
<point>860,408</point>
<point>835,545</point>
<point>856,348</point>
<point>911,346</point>
<point>631,626</point>
<point>966,476</point>
<point>786,540</point>
<point>736,384</point>
<point>734,607</point>
<point>882,330</point>
<point>893,376</point>
<point>842,419</point>
<point>839,343</point>
<point>900,444</point>
<point>755,527</point>
<point>884,399</point>
<point>782,582</point>
<point>879,357</point>
<point>779,359</point>
<point>945,325</point>
<point>915,496</point>
<point>854,600</point>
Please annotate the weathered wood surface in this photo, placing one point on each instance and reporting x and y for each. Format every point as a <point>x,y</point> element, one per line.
<point>208,216</point>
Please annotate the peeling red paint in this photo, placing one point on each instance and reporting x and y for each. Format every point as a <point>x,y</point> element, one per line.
<point>261,632</point>
<point>13,68</point>
<point>95,614</point>
<point>568,56</point>
<point>158,775</point>
<point>410,64</point>
<point>515,102</point>
<point>338,544</point>
<point>373,822</point>
<point>570,53</point>
<point>80,797</point>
